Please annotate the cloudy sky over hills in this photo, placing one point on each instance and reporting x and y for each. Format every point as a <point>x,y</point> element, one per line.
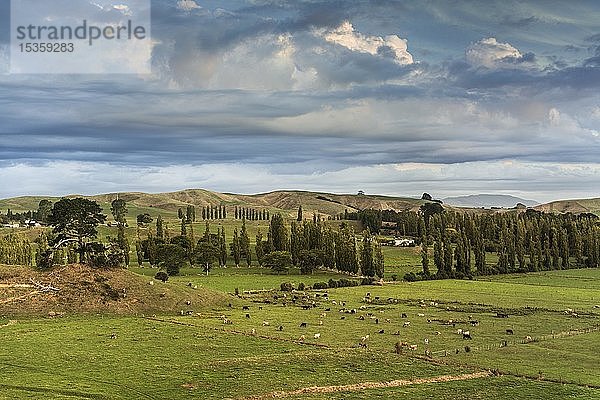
<point>390,97</point>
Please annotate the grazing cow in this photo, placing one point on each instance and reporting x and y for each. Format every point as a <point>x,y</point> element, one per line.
<point>362,318</point>
<point>459,332</point>
<point>260,308</point>
<point>323,315</point>
<point>388,320</point>
<point>528,338</point>
<point>438,333</point>
<point>501,315</point>
<point>253,331</point>
<point>246,308</point>
<point>328,309</point>
<point>363,345</point>
<point>353,311</point>
<point>467,335</point>
<point>303,325</point>
<point>301,338</point>
<point>426,341</point>
<point>342,317</point>
<point>188,303</point>
<point>474,322</point>
<point>397,333</point>
<point>113,336</point>
<point>368,294</point>
<point>265,323</point>
<point>404,315</point>
<point>320,322</point>
<point>247,315</point>
<point>334,302</point>
<point>230,306</point>
<point>317,336</point>
<point>413,347</point>
<point>280,328</point>
<point>406,324</point>
<point>420,315</point>
<point>382,331</point>
<point>376,320</point>
<point>364,338</point>
<point>510,332</point>
<point>376,297</point>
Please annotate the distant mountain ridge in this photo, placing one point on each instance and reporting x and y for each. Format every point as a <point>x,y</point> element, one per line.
<point>488,200</point>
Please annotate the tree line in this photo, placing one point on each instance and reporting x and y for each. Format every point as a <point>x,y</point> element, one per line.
<point>522,242</point>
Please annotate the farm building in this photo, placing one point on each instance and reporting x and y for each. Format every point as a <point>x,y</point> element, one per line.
<point>400,242</point>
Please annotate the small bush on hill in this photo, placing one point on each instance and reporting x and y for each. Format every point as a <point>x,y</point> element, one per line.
<point>320,285</point>
<point>161,276</point>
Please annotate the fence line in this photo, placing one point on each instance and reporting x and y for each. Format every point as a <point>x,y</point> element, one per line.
<point>506,343</point>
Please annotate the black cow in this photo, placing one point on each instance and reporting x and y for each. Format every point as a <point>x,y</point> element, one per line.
<point>303,325</point>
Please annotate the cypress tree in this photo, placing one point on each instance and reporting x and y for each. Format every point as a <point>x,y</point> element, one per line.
<point>425,256</point>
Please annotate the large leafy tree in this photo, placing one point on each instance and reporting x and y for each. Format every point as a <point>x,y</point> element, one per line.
<point>170,257</point>
<point>205,254</point>
<point>309,260</point>
<point>278,261</point>
<point>75,220</point>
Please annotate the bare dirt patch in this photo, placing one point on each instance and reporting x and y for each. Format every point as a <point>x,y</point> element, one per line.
<point>367,385</point>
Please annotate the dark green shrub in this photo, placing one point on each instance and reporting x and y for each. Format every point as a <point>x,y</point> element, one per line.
<point>161,276</point>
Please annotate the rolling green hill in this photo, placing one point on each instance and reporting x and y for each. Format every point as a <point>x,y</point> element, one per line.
<point>574,206</point>
<point>285,201</point>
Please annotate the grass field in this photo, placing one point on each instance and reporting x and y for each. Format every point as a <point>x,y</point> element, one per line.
<point>198,356</point>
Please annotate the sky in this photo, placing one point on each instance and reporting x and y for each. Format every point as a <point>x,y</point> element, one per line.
<point>389,97</point>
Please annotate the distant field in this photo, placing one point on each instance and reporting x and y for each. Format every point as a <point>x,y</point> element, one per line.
<point>575,278</point>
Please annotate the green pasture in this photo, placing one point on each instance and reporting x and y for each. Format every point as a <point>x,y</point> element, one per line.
<point>551,352</point>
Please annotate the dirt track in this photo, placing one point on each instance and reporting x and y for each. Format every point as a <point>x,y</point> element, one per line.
<point>367,385</point>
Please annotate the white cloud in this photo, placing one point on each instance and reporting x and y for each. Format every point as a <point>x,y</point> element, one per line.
<point>554,117</point>
<point>345,35</point>
<point>490,53</point>
<point>188,5</point>
<point>124,9</point>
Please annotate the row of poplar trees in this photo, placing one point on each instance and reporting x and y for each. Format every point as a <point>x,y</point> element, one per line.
<point>311,245</point>
<point>522,242</point>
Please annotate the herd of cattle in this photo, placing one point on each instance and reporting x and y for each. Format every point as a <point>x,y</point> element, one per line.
<point>366,312</point>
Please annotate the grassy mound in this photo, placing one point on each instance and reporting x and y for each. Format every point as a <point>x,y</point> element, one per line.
<point>81,289</point>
